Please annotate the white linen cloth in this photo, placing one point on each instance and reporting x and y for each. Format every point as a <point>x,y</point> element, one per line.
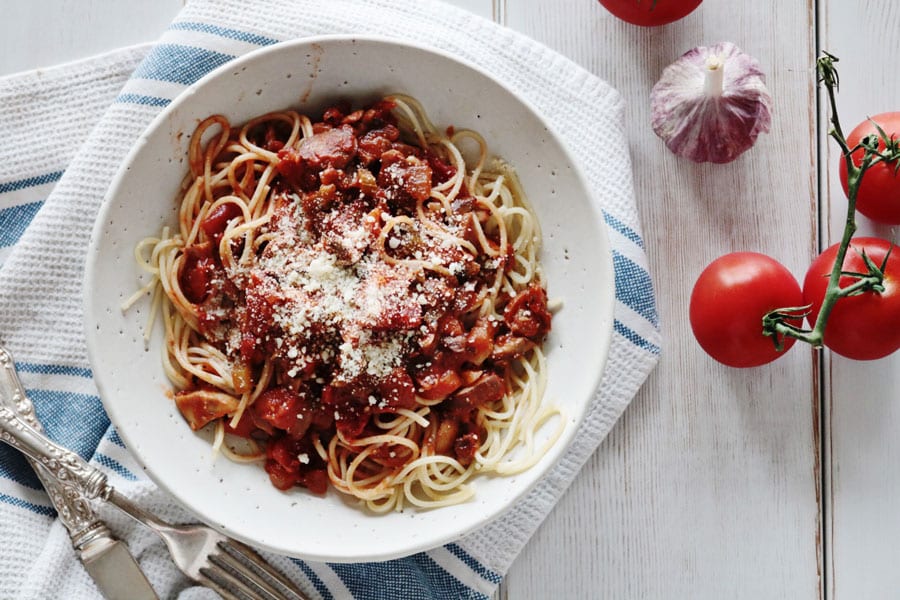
<point>66,130</point>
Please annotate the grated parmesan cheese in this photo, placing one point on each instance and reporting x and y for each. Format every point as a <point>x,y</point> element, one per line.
<point>327,308</point>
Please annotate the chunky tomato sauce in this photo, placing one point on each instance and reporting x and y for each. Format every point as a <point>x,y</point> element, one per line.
<point>353,302</point>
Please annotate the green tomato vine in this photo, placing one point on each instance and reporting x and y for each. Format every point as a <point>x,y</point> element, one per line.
<point>775,323</point>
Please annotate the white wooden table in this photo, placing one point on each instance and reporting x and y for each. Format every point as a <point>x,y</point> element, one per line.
<point>776,482</point>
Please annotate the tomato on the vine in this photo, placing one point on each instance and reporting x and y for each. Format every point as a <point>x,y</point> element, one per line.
<point>864,326</point>
<point>879,193</point>
<point>728,303</point>
<point>650,13</point>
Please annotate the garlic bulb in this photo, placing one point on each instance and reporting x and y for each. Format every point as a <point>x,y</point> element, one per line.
<point>711,104</point>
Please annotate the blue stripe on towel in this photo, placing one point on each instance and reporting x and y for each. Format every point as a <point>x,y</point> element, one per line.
<point>41,510</point>
<point>234,34</point>
<point>441,583</point>
<point>179,64</point>
<point>14,467</point>
<point>473,564</point>
<point>634,338</point>
<point>142,100</point>
<point>50,369</point>
<point>314,579</point>
<point>114,465</point>
<point>14,220</point>
<point>113,436</point>
<point>634,288</point>
<point>21,184</point>
<point>622,228</point>
<point>76,421</point>
<point>416,577</point>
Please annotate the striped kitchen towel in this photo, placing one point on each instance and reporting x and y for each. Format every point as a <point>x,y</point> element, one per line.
<point>66,131</point>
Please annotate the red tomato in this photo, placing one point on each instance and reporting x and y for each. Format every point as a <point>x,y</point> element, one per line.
<point>728,303</point>
<point>397,391</point>
<point>197,272</point>
<point>217,220</point>
<point>879,192</point>
<point>245,426</point>
<point>283,408</point>
<point>650,13</point>
<point>865,326</point>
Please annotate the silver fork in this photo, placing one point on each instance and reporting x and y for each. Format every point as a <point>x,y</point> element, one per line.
<point>91,538</point>
<point>232,569</point>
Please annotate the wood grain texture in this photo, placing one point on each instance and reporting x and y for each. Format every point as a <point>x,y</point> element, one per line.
<point>41,33</point>
<point>861,398</point>
<point>708,486</point>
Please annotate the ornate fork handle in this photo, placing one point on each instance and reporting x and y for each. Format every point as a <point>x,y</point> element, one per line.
<point>12,394</point>
<point>63,464</point>
<point>73,508</point>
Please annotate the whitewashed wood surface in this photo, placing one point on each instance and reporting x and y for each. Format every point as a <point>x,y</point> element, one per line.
<point>776,482</point>
<point>861,400</point>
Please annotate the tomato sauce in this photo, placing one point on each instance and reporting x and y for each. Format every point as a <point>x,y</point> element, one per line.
<point>330,301</point>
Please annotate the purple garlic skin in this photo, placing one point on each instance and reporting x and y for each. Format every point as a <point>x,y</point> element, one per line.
<point>711,104</point>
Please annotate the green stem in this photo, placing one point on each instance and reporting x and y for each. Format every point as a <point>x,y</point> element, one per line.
<point>834,291</point>
<point>854,177</point>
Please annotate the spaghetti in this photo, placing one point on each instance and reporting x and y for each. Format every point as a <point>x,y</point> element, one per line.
<point>357,302</point>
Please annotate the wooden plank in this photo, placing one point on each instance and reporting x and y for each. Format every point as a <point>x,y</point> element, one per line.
<point>40,33</point>
<point>708,487</point>
<point>863,413</point>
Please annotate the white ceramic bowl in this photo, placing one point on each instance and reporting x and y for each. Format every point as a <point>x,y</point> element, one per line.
<point>308,74</point>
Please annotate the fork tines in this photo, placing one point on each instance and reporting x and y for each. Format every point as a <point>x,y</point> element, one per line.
<point>237,571</point>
